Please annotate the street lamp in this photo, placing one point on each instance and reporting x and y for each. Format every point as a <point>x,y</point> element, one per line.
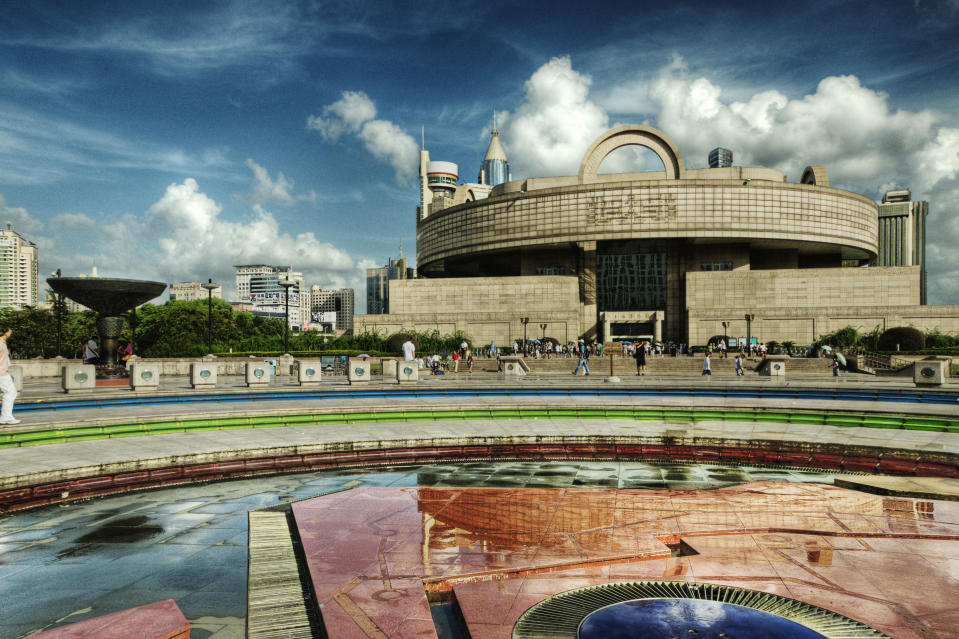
<point>525,321</point>
<point>209,286</point>
<point>59,314</point>
<point>749,319</point>
<point>286,283</point>
<point>725,338</point>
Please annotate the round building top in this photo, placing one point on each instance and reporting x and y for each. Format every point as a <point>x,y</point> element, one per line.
<point>448,168</point>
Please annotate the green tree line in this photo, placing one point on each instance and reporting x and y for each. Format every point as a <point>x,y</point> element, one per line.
<point>179,329</point>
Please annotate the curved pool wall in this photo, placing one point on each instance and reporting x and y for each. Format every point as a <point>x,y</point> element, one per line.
<point>882,434</point>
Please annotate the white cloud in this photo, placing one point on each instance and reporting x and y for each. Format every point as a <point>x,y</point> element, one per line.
<point>354,114</point>
<point>549,132</point>
<point>266,189</point>
<point>346,115</point>
<point>192,241</point>
<point>77,220</point>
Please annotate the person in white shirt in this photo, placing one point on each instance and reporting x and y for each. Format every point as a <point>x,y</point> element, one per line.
<point>409,350</point>
<point>7,387</point>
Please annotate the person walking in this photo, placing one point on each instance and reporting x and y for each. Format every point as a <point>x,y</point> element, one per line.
<point>456,361</point>
<point>707,369</point>
<point>469,361</point>
<point>738,364</point>
<point>7,387</point>
<point>91,352</point>
<point>835,369</point>
<point>583,361</point>
<point>640,356</point>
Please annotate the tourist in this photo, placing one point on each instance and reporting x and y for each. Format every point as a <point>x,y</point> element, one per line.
<point>722,348</point>
<point>124,352</point>
<point>7,387</point>
<point>738,364</point>
<point>409,350</point>
<point>91,352</point>
<point>641,360</point>
<point>463,347</point>
<point>469,361</point>
<point>835,367</point>
<point>583,361</point>
<point>456,361</point>
<point>707,369</point>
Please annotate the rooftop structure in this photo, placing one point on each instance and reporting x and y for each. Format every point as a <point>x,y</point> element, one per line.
<point>19,271</point>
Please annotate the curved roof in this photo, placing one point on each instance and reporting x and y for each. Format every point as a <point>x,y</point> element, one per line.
<point>495,150</point>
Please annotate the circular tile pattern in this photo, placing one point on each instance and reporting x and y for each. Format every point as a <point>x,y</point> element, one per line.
<point>568,614</point>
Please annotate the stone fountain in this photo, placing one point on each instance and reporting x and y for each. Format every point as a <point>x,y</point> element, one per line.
<point>110,298</point>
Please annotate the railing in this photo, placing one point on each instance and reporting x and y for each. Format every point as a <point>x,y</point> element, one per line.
<point>878,361</point>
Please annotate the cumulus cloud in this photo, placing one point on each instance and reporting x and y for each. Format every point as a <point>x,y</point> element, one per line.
<point>192,240</point>
<point>354,114</point>
<point>266,189</point>
<point>557,122</point>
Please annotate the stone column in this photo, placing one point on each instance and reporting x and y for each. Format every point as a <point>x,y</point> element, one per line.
<point>587,289</point>
<point>658,327</point>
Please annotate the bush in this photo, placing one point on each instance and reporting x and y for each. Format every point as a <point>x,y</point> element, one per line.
<point>906,338</point>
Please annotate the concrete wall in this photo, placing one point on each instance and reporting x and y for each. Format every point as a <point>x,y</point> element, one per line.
<point>168,366</point>
<point>798,288</point>
<point>488,309</point>
<point>804,325</point>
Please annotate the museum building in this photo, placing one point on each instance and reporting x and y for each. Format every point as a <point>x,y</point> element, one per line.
<point>678,254</point>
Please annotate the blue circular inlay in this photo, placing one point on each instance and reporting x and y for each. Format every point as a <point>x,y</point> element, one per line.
<point>358,371</point>
<point>667,618</point>
<point>205,373</point>
<point>80,377</point>
<point>407,371</point>
<point>258,372</point>
<point>146,375</point>
<point>310,372</point>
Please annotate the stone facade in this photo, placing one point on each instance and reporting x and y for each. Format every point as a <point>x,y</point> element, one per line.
<point>488,309</point>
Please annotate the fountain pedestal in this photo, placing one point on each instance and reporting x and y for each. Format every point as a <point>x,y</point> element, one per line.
<point>110,298</point>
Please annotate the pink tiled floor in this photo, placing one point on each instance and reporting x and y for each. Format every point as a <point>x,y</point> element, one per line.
<point>373,552</point>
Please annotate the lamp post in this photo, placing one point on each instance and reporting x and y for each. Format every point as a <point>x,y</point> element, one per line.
<point>209,286</point>
<point>749,319</point>
<point>725,339</point>
<point>525,321</point>
<point>59,309</point>
<point>286,284</point>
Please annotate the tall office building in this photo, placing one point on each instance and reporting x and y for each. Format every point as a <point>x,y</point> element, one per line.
<point>720,157</point>
<point>337,305</point>
<point>378,283</point>
<point>259,284</point>
<point>19,271</point>
<point>902,234</point>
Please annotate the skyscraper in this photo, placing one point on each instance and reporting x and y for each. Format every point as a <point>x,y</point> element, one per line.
<point>339,302</point>
<point>902,234</point>
<point>378,283</point>
<point>720,157</point>
<point>495,168</point>
<point>19,271</point>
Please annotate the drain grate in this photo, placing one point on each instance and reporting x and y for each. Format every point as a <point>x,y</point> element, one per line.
<point>560,616</point>
<point>275,602</point>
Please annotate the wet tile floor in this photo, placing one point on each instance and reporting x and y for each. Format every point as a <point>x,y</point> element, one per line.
<point>67,563</point>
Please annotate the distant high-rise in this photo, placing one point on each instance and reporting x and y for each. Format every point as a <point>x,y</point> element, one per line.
<point>189,291</point>
<point>720,157</point>
<point>259,284</point>
<point>19,271</point>
<point>495,169</point>
<point>339,303</point>
<point>902,234</point>
<point>378,283</point>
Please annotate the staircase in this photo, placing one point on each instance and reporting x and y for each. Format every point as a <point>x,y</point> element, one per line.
<point>877,363</point>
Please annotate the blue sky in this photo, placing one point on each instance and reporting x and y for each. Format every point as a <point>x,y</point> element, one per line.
<point>172,140</point>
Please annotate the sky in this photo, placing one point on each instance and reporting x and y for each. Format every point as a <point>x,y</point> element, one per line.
<point>173,140</point>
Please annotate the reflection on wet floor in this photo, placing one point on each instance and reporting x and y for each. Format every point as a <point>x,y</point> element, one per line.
<point>70,562</point>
